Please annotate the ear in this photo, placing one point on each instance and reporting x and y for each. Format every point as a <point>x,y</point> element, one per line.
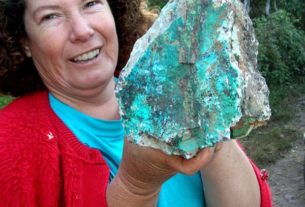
<point>27,51</point>
<point>26,48</point>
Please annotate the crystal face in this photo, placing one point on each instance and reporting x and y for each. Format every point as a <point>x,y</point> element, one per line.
<point>192,79</point>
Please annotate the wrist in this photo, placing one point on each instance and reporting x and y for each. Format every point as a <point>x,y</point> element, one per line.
<point>124,192</point>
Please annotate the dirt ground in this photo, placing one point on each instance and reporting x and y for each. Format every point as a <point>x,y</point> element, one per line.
<point>286,176</point>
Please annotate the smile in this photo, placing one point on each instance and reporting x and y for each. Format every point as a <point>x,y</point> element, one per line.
<point>87,56</point>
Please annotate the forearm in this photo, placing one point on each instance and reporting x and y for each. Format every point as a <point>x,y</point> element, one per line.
<point>139,178</point>
<point>229,179</point>
<point>123,194</point>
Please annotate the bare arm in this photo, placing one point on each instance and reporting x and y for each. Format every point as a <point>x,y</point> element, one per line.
<point>229,179</point>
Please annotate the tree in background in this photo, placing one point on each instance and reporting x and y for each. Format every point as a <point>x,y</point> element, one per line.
<point>281,56</point>
<point>260,8</point>
<point>297,9</point>
<point>247,5</point>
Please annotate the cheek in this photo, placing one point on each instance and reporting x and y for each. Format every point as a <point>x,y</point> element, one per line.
<point>47,58</point>
<point>108,28</point>
<point>48,41</point>
<point>47,54</point>
<point>109,34</point>
<point>114,40</point>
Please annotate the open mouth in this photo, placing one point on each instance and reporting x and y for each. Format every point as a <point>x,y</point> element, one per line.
<point>88,56</point>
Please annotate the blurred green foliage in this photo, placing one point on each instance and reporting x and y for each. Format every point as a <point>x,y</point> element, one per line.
<point>294,7</point>
<point>4,100</point>
<point>281,57</point>
<point>157,3</point>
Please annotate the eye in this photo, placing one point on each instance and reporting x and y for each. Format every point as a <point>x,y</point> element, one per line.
<point>91,3</point>
<point>49,17</point>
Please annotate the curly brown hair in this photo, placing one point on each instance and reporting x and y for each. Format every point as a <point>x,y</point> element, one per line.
<point>18,75</point>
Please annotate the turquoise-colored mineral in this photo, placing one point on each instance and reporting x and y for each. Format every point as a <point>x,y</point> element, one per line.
<point>191,80</point>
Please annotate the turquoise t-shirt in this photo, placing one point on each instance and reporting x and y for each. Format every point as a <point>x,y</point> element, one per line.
<point>108,137</point>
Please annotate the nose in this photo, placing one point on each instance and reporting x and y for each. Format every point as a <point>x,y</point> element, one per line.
<point>81,29</point>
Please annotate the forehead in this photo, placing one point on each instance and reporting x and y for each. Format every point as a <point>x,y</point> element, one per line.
<point>41,2</point>
<point>31,4</point>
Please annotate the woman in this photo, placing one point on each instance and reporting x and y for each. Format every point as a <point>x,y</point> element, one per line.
<point>63,146</point>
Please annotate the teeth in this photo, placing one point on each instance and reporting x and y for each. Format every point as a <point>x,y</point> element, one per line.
<point>87,56</point>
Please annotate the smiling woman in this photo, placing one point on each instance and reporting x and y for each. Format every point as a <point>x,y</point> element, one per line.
<point>18,75</point>
<point>81,58</point>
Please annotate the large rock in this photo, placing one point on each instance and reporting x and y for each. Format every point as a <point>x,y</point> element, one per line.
<point>192,77</point>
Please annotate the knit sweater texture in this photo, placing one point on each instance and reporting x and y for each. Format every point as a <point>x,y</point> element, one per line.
<point>42,163</point>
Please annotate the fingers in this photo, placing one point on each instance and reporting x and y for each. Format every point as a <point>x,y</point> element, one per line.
<point>193,165</point>
<point>156,160</point>
<point>218,146</point>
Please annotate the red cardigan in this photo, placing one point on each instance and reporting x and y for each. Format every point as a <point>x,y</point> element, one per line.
<point>43,164</point>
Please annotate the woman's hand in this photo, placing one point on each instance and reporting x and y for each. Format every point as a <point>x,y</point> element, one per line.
<point>143,170</point>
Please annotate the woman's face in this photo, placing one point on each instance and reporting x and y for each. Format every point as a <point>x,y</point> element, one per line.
<point>73,44</point>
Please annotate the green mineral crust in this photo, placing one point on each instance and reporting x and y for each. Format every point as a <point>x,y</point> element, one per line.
<point>191,80</point>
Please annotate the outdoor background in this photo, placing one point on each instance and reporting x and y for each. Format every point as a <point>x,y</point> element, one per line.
<point>280,30</point>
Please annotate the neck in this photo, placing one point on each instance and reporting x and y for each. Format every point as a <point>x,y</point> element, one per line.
<point>101,104</point>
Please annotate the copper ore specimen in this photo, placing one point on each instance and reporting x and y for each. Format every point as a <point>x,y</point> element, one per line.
<point>192,78</point>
